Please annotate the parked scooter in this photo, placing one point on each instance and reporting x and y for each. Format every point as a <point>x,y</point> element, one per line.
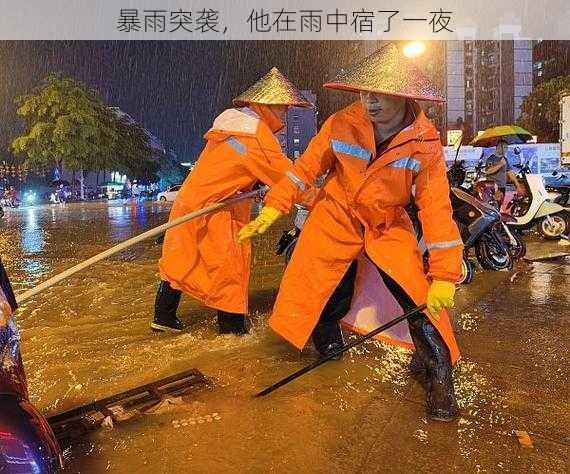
<point>5,202</point>
<point>480,227</point>
<point>486,191</point>
<point>534,208</point>
<point>557,191</point>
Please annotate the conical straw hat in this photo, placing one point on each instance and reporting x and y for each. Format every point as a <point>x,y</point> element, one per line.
<point>272,89</point>
<point>387,71</point>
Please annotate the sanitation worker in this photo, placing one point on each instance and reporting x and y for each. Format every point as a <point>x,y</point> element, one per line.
<point>358,242</point>
<point>202,257</point>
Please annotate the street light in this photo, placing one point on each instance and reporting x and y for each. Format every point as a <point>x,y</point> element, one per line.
<point>414,49</point>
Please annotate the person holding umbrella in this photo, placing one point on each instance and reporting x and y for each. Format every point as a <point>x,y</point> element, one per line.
<point>358,240</point>
<point>202,257</point>
<point>497,167</point>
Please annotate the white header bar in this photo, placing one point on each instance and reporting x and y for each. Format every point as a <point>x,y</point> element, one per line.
<point>284,20</point>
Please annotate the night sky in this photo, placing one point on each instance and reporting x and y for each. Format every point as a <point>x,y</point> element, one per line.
<point>173,88</point>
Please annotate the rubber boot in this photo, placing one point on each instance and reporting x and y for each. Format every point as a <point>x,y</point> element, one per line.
<point>327,335</point>
<point>432,351</point>
<point>327,338</point>
<point>166,304</point>
<point>418,370</point>
<point>232,323</point>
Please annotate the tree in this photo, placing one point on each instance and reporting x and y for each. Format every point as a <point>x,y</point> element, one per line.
<point>541,109</point>
<point>66,124</point>
<point>133,154</point>
<point>171,172</point>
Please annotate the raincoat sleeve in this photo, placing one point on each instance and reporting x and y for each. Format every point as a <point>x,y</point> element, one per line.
<point>316,160</point>
<point>265,160</point>
<point>436,215</point>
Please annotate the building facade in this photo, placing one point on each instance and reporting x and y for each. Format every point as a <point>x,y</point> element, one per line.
<point>550,59</point>
<point>300,127</point>
<point>487,82</point>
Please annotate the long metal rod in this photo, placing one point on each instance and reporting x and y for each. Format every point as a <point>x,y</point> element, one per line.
<point>345,348</point>
<point>21,298</point>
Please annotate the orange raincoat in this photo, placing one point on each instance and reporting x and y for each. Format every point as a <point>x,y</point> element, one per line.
<point>360,216</point>
<point>202,257</point>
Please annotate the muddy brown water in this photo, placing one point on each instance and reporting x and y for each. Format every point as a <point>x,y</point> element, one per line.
<point>89,338</point>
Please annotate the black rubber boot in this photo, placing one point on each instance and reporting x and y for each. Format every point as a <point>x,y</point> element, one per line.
<point>166,304</point>
<point>432,351</point>
<point>327,335</point>
<point>231,323</point>
<point>418,370</point>
<point>327,338</point>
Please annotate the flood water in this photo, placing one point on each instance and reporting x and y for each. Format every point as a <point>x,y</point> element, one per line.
<point>89,338</point>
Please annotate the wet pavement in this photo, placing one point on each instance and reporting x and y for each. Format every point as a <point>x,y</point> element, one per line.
<point>88,338</point>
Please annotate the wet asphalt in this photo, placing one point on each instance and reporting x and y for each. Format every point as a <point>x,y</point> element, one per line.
<point>89,338</point>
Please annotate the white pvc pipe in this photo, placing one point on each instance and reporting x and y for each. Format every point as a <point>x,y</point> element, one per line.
<point>21,298</point>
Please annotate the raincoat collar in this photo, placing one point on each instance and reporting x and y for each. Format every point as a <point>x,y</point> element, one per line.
<point>420,130</point>
<point>268,116</point>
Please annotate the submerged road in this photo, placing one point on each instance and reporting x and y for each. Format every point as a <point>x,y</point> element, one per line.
<point>89,338</point>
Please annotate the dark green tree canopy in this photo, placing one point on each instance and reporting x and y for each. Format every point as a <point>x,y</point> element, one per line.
<point>541,109</point>
<point>69,124</point>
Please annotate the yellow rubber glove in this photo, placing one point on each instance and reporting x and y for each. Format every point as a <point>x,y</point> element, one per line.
<point>440,295</point>
<point>266,218</point>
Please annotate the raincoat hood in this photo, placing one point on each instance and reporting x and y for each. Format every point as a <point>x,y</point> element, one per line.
<point>243,122</point>
<point>387,71</point>
<point>272,89</point>
<point>240,122</point>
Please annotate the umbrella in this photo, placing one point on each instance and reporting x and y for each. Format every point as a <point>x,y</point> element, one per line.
<point>511,134</point>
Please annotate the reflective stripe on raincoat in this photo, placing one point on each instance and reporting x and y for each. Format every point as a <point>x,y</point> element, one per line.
<point>202,257</point>
<point>360,216</point>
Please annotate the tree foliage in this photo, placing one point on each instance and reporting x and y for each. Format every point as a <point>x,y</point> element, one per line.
<point>66,123</point>
<point>541,109</point>
<point>135,156</point>
<point>69,124</point>
<point>171,172</point>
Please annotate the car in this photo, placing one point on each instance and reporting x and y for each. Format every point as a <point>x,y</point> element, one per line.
<point>169,195</point>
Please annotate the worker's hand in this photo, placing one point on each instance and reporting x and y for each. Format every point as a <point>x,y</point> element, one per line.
<point>266,218</point>
<point>441,295</point>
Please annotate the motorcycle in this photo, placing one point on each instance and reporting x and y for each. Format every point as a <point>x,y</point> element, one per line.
<point>6,202</point>
<point>558,192</point>
<point>534,208</point>
<point>485,191</point>
<point>480,229</point>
